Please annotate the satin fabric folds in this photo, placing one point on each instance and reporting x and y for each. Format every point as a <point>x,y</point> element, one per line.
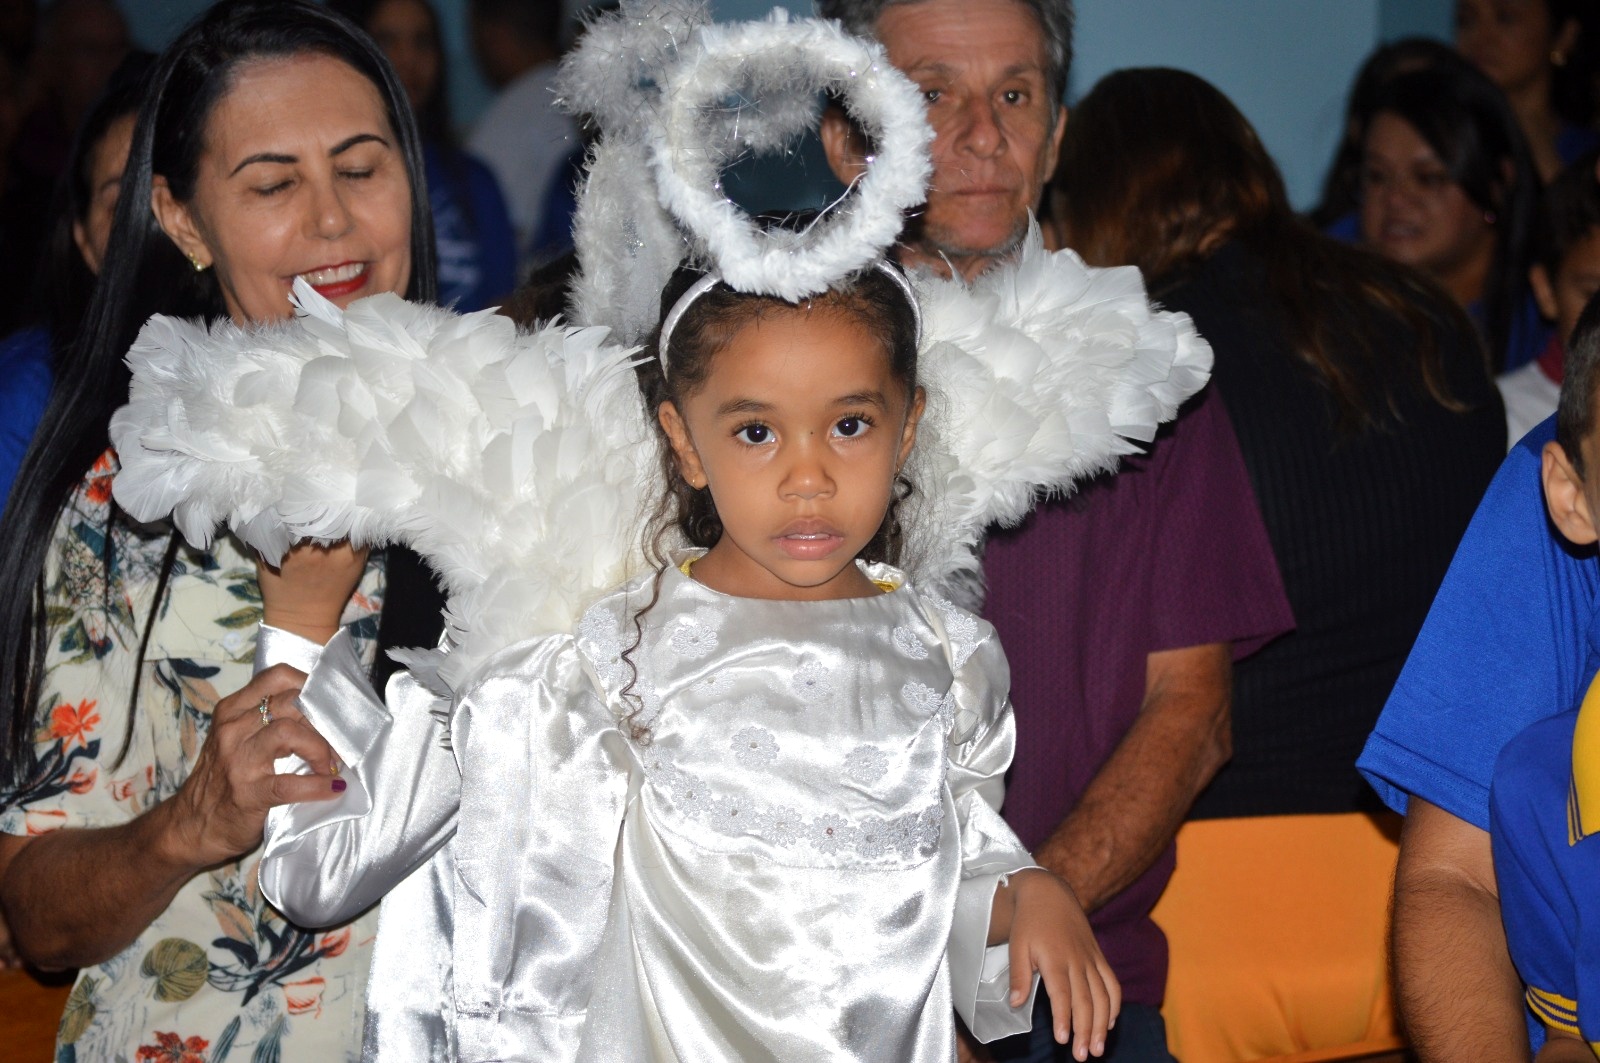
<point>767,832</point>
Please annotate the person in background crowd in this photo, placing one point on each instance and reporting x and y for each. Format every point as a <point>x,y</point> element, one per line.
<point>471,229</point>
<point>1565,276</point>
<point>1447,187</point>
<point>1338,213</point>
<point>1123,607</point>
<point>81,42</point>
<point>81,227</point>
<point>1539,53</point>
<point>522,136</point>
<point>274,142</point>
<point>1370,428</point>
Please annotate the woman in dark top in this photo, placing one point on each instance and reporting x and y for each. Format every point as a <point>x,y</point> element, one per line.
<point>1360,397</point>
<point>1369,426</point>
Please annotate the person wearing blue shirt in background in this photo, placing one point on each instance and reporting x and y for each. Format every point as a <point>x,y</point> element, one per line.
<point>471,226</point>
<point>1510,640</point>
<point>80,229</point>
<point>1544,806</point>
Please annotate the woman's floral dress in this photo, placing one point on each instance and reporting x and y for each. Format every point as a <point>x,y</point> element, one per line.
<point>219,975</point>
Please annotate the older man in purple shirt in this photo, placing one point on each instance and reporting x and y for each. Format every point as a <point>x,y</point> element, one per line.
<point>1122,609</point>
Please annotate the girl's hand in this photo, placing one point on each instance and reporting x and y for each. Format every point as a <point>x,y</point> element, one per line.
<point>221,809</point>
<point>307,593</point>
<point>1050,934</point>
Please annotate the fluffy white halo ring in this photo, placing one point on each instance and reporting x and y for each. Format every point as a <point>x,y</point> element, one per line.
<point>778,59</point>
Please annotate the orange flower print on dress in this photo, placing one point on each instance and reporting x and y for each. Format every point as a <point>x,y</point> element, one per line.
<point>170,1048</point>
<point>73,725</point>
<point>100,477</point>
<point>304,997</point>
<point>334,942</point>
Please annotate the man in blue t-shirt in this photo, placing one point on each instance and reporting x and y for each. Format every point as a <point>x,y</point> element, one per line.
<point>1511,640</point>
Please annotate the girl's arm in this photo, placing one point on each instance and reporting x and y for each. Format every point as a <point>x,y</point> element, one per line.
<point>323,864</point>
<point>1040,918</point>
<point>1004,897</point>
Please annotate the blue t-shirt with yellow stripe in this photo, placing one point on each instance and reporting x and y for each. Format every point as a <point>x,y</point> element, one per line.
<point>1544,810</point>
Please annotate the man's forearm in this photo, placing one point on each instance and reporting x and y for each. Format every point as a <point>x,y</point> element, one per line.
<point>1134,805</point>
<point>1459,995</point>
<point>78,897</point>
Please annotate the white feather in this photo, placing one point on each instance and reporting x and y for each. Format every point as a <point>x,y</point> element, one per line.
<point>1039,374</point>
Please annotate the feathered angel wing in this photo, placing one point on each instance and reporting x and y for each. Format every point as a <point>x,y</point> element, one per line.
<point>515,462</point>
<point>1039,374</point>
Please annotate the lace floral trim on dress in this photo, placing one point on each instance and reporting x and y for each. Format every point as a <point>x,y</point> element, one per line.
<point>912,835</point>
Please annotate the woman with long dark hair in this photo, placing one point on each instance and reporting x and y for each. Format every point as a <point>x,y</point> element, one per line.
<point>274,143</point>
<point>1448,187</point>
<point>1370,427</point>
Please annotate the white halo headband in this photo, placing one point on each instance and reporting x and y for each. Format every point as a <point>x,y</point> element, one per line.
<point>783,62</point>
<point>711,280</point>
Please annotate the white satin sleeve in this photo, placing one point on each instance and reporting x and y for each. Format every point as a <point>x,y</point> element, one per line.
<point>981,744</point>
<point>326,861</point>
<point>546,778</point>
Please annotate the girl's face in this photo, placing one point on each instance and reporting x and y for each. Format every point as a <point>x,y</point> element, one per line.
<point>405,31</point>
<point>300,176</point>
<point>799,431</point>
<point>1412,210</point>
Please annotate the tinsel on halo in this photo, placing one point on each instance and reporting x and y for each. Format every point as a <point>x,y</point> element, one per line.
<point>678,98</point>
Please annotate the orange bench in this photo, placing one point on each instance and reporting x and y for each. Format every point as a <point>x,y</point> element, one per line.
<point>1278,927</point>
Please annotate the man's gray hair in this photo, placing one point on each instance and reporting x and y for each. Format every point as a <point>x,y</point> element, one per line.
<point>860,17</point>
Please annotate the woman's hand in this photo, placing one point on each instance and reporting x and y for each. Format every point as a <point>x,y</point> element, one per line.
<point>1049,933</point>
<point>307,593</point>
<point>220,810</point>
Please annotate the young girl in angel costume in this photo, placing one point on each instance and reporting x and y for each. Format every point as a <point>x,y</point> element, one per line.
<point>720,783</point>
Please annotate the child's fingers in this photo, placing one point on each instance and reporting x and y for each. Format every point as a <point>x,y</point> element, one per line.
<point>1021,972</point>
<point>1113,990</point>
<point>1095,1023</point>
<point>1083,1011</point>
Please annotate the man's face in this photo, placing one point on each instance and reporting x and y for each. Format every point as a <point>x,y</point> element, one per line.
<point>983,67</point>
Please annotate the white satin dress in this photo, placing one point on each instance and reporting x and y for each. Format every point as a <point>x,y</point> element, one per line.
<point>768,833</point>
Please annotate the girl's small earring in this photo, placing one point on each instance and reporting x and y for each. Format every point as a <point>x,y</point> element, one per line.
<point>1558,58</point>
<point>1489,217</point>
<point>199,267</point>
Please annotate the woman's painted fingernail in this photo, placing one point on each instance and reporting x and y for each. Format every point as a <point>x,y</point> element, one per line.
<point>339,785</point>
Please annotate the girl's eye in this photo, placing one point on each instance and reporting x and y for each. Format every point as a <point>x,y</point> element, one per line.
<point>850,427</point>
<point>272,190</point>
<point>754,434</point>
<point>357,174</point>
